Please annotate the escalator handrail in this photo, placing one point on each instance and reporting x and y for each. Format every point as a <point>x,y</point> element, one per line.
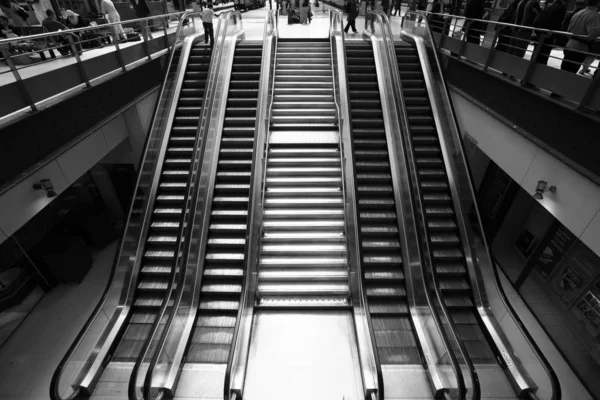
<point>345,127</point>
<point>253,220</point>
<point>415,191</point>
<point>554,381</point>
<point>181,257</point>
<point>206,110</point>
<point>57,375</point>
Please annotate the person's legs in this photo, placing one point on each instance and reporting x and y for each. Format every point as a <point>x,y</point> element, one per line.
<point>353,25</point>
<point>572,61</point>
<point>206,34</point>
<point>211,33</point>
<point>544,54</point>
<point>347,26</point>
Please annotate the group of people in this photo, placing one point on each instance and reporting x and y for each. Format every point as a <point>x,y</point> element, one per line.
<point>14,19</point>
<point>583,21</point>
<point>302,15</point>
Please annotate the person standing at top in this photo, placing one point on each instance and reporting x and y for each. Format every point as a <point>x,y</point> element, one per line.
<point>352,11</point>
<point>207,22</point>
<point>551,18</point>
<point>142,10</point>
<point>112,16</point>
<point>585,23</point>
<point>397,7</point>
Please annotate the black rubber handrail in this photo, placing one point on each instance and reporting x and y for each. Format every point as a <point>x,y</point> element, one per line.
<point>55,381</point>
<point>556,388</point>
<point>432,283</point>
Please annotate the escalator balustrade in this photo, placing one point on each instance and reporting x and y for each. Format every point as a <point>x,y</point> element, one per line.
<point>165,224</point>
<point>382,264</point>
<point>442,230</point>
<point>225,262</point>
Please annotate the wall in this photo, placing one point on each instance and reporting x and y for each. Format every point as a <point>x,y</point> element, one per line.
<point>576,202</point>
<point>118,139</point>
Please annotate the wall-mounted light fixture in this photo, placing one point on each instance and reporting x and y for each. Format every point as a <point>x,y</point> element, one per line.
<point>45,184</point>
<point>541,188</point>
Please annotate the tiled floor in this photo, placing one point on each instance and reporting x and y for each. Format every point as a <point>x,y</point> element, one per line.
<point>29,357</point>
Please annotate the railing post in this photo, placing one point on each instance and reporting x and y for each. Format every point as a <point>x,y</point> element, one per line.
<point>20,83</point>
<point>445,28</point>
<point>166,36</point>
<point>80,67</point>
<point>490,56</point>
<point>463,43</point>
<point>120,56</point>
<point>145,34</point>
<point>532,61</point>
<point>587,96</point>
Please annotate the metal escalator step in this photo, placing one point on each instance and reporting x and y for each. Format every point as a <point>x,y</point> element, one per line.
<point>377,216</point>
<point>458,301</point>
<point>438,212</point>
<point>449,270</point>
<point>214,305</point>
<point>447,254</point>
<point>436,198</point>
<point>454,284</point>
<point>217,289</point>
<point>303,262</point>
<point>223,273</point>
<point>224,258</point>
<point>384,276</point>
<point>375,202</point>
<point>399,355</point>
<point>384,245</point>
<point>208,353</point>
<point>444,239</point>
<point>381,230</point>
<point>228,228</point>
<point>212,335</point>
<point>226,243</point>
<point>156,270</point>
<point>434,185</point>
<point>374,177</point>
<point>381,260</point>
<point>222,321</point>
<point>378,307</point>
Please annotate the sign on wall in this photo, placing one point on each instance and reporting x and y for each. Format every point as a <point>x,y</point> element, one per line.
<point>574,273</point>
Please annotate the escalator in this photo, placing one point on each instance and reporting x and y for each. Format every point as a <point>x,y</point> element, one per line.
<point>442,230</point>
<point>221,290</point>
<point>159,253</point>
<point>382,264</point>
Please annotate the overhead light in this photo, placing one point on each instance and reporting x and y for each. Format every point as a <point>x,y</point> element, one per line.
<point>46,184</point>
<point>541,188</point>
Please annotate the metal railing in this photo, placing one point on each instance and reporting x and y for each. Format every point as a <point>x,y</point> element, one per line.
<point>86,49</point>
<point>484,282</point>
<point>107,318</point>
<point>531,57</point>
